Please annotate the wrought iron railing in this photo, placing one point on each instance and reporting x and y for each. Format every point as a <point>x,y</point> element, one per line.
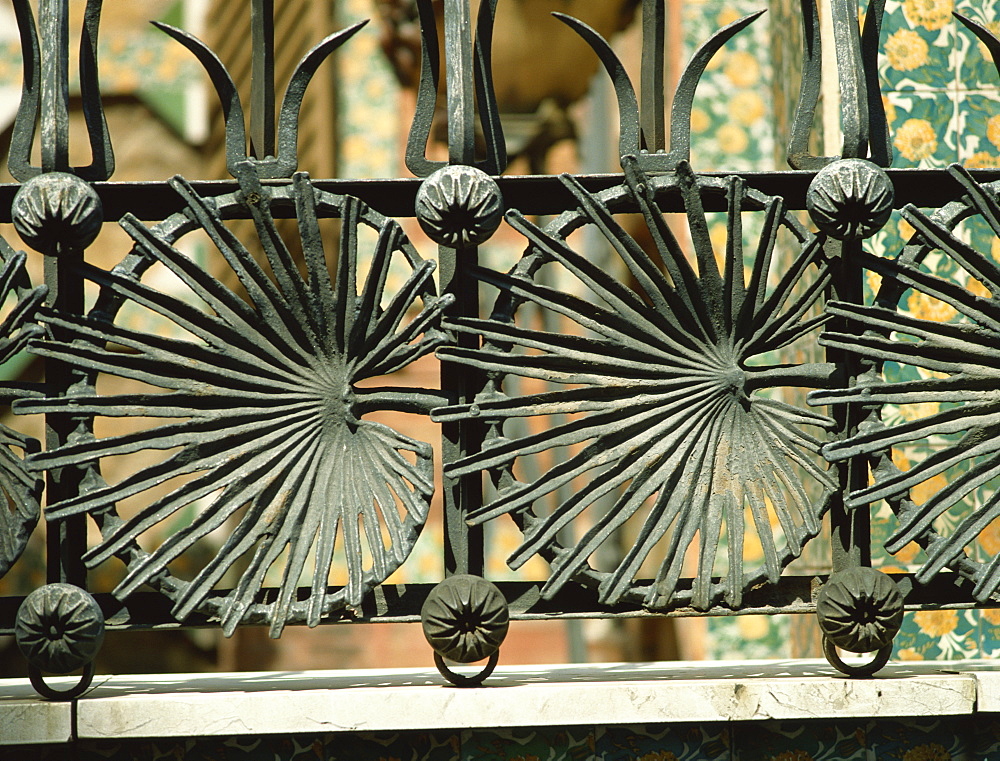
<point>667,407</point>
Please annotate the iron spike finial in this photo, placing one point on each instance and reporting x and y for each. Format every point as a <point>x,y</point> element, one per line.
<point>642,142</point>
<point>652,85</point>
<point>262,79</point>
<point>45,93</point>
<point>273,145</point>
<point>468,65</point>
<point>862,115</point>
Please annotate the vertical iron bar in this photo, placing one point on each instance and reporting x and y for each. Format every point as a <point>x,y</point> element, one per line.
<point>54,20</point>
<point>850,529</point>
<point>464,552</point>
<point>651,103</point>
<point>459,82</point>
<point>262,79</point>
<point>67,539</point>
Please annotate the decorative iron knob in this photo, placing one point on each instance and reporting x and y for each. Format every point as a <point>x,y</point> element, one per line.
<point>56,212</point>
<point>850,199</point>
<point>59,628</point>
<point>459,206</point>
<point>465,619</point>
<point>859,610</point>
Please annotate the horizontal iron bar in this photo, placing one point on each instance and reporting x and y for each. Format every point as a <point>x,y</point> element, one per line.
<point>541,194</point>
<point>398,603</point>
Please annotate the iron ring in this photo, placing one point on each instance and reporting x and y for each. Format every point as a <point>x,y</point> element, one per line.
<point>460,680</point>
<point>38,682</point>
<point>881,658</point>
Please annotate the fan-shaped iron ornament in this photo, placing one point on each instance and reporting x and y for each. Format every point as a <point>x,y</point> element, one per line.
<point>955,379</point>
<point>664,384</point>
<point>21,489</point>
<point>262,413</point>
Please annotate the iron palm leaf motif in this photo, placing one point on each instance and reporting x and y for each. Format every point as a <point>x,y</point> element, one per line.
<point>958,379</point>
<point>665,388</point>
<point>20,489</point>
<point>261,411</point>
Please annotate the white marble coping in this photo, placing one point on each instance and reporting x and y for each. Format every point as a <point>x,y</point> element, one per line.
<point>187,705</point>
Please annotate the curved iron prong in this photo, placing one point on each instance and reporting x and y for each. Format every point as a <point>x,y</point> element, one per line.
<point>489,114</point>
<point>628,105</point>
<point>879,144</point>
<point>232,109</point>
<point>985,36</point>
<point>427,92</point>
<point>862,112</point>
<point>286,162</point>
<point>851,75</point>
<point>680,111</point>
<point>25,123</point>
<point>799,156</point>
<point>430,76</point>
<point>102,165</point>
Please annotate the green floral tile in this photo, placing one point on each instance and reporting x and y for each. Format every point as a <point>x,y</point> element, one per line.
<point>664,742</point>
<point>938,635</point>
<point>975,67</point>
<point>931,739</point>
<point>917,48</point>
<point>529,744</point>
<point>800,741</point>
<point>731,121</point>
<point>922,128</point>
<point>368,98</point>
<point>978,127</point>
<point>989,636</point>
<point>748,637</point>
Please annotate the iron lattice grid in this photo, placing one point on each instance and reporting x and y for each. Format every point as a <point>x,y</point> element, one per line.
<point>657,392</point>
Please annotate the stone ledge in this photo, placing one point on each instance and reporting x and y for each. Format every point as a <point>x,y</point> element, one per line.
<point>188,705</point>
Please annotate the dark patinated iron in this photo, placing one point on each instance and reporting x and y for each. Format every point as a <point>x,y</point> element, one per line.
<point>59,629</point>
<point>465,619</point>
<point>859,610</point>
<point>669,389</point>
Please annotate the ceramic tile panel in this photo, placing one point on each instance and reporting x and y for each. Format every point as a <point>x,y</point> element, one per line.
<point>978,128</point>
<point>931,739</point>
<point>922,125</point>
<point>918,46</point>
<point>664,742</point>
<point>369,139</point>
<point>528,744</point>
<point>731,121</point>
<point>800,741</point>
<point>974,66</point>
<point>935,635</point>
